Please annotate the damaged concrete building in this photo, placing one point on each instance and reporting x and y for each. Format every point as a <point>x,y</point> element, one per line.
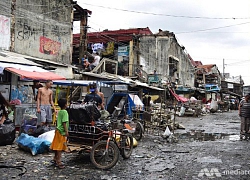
<point>162,54</point>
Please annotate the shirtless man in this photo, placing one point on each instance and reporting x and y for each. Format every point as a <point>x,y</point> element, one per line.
<point>102,96</point>
<point>44,103</point>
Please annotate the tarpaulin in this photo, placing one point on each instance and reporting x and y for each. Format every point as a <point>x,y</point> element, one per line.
<point>177,97</point>
<point>35,75</point>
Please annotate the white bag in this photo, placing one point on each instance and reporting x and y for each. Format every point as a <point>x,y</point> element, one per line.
<point>49,136</point>
<point>166,133</point>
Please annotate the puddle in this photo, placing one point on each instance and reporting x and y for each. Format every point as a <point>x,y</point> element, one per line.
<point>200,135</point>
<point>209,159</point>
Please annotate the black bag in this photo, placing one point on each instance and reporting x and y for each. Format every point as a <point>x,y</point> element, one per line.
<point>40,130</point>
<point>7,133</point>
<point>83,114</point>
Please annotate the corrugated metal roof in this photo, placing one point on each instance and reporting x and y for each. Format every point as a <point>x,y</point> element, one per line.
<point>121,78</point>
<point>8,57</point>
<point>113,35</point>
<point>28,59</point>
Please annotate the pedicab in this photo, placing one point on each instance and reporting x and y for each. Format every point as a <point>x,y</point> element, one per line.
<point>87,134</point>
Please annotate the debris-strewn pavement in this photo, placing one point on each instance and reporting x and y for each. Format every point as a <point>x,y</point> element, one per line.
<point>204,150</point>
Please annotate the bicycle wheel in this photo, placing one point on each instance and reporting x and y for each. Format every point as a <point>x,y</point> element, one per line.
<point>102,159</point>
<point>138,131</point>
<point>127,150</point>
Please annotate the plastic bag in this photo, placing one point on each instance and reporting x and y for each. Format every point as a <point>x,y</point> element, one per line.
<point>182,111</point>
<point>29,119</point>
<point>167,133</point>
<point>83,114</point>
<point>33,144</point>
<point>104,114</point>
<point>40,130</point>
<point>7,133</point>
<point>49,136</point>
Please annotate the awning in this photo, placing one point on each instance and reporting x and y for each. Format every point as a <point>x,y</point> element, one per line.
<point>177,97</point>
<point>34,75</point>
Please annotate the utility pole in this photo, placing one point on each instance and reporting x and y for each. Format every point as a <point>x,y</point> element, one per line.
<point>83,34</point>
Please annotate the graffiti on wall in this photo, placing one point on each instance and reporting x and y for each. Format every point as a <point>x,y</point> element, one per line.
<point>26,30</point>
<point>48,46</point>
<point>4,32</point>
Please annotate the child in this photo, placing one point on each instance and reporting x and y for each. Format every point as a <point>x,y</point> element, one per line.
<point>59,142</point>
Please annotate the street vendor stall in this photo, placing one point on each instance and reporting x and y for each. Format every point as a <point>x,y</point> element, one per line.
<point>21,95</point>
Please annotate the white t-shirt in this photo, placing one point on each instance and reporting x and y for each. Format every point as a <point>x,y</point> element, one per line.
<point>96,60</point>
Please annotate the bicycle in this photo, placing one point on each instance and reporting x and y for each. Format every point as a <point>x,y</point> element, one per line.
<point>88,134</point>
<point>139,129</point>
<point>105,153</point>
<point>140,125</point>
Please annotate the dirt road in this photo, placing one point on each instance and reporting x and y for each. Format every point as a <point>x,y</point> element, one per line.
<point>208,148</point>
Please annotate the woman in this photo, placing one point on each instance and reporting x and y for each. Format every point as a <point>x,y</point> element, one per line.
<point>244,113</point>
<point>4,105</point>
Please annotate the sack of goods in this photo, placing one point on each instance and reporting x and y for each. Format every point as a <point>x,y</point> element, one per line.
<point>7,133</point>
<point>83,114</point>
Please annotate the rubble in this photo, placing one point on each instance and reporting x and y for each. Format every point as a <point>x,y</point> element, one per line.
<point>153,158</point>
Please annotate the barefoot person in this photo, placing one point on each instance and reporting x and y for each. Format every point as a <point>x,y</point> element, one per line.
<point>59,142</point>
<point>44,103</point>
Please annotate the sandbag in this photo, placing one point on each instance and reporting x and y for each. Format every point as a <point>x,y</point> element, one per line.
<point>7,133</point>
<point>33,144</point>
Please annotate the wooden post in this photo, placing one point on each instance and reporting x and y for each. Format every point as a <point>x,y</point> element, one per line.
<point>204,81</point>
<point>131,58</point>
<point>83,35</point>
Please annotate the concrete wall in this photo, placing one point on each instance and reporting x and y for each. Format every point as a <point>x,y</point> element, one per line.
<point>43,29</point>
<point>5,24</point>
<point>157,50</point>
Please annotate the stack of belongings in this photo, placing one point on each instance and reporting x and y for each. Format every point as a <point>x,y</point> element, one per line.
<point>81,117</point>
<point>28,124</point>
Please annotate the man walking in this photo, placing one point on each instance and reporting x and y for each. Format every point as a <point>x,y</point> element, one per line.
<point>44,103</point>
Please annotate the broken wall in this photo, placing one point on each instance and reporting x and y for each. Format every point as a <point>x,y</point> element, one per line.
<point>43,29</point>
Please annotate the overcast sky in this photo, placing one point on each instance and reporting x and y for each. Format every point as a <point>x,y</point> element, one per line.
<point>210,30</point>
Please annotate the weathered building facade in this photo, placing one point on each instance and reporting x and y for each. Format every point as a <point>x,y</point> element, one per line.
<point>162,53</point>
<point>43,29</point>
<point>5,24</point>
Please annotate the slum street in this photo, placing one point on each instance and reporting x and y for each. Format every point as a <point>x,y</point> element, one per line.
<point>209,147</point>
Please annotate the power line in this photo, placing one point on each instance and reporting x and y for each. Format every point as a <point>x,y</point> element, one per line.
<point>167,15</point>
<point>209,29</point>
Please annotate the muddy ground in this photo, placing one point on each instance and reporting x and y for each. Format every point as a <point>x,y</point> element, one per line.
<point>208,148</point>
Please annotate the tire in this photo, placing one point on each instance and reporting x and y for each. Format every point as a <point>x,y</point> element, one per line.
<point>128,149</point>
<point>102,160</point>
<point>138,131</point>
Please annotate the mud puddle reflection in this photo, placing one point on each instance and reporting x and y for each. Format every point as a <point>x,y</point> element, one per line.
<point>200,135</point>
